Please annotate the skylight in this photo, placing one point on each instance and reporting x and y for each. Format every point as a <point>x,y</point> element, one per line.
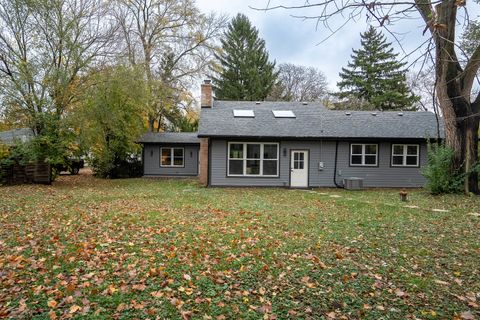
<point>243,114</point>
<point>283,114</point>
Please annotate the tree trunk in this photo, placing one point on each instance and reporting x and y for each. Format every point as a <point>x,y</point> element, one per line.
<point>461,134</point>
<point>151,124</point>
<point>470,131</point>
<point>461,120</point>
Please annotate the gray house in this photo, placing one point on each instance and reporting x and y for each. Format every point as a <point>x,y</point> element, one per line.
<point>11,137</point>
<point>301,145</point>
<point>170,154</point>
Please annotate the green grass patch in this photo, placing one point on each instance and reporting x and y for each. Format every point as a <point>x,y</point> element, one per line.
<point>170,249</point>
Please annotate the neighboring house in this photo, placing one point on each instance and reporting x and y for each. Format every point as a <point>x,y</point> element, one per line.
<point>284,144</point>
<point>14,136</point>
<point>170,153</point>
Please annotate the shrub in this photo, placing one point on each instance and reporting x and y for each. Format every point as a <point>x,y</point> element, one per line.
<point>440,176</point>
<point>109,166</point>
<point>4,151</point>
<point>112,119</point>
<point>4,154</point>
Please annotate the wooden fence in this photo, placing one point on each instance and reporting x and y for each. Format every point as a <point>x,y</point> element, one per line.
<point>38,172</point>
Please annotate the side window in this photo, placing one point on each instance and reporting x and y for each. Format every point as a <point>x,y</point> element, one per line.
<point>172,157</point>
<point>363,154</point>
<point>405,155</point>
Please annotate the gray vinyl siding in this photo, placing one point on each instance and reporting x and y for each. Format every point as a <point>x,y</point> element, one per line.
<point>320,151</point>
<point>384,175</point>
<point>151,161</point>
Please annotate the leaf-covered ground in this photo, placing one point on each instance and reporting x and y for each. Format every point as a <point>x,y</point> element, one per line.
<point>167,249</point>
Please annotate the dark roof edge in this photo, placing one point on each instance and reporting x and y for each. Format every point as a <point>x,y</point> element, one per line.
<point>164,142</point>
<point>313,138</point>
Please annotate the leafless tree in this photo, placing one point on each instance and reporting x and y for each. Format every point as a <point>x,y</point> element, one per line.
<point>174,42</point>
<point>455,70</point>
<point>299,83</point>
<point>44,48</point>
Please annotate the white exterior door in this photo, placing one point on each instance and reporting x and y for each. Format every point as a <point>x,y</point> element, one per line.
<point>299,168</point>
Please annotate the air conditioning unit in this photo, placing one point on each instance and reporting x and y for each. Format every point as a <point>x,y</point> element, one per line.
<point>353,183</point>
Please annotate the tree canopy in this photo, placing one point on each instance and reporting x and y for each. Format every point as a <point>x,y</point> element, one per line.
<point>456,69</point>
<point>375,76</point>
<point>244,71</point>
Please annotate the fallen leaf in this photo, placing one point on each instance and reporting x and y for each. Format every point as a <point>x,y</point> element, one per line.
<point>52,315</point>
<point>52,304</point>
<point>332,315</point>
<point>139,287</point>
<point>121,307</point>
<point>467,315</point>
<point>442,282</point>
<point>399,293</point>
<point>156,294</point>
<point>74,308</point>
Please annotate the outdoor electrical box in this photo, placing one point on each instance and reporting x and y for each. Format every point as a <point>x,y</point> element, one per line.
<point>321,165</point>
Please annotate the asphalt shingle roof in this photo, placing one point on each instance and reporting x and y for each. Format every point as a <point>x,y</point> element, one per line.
<point>170,137</point>
<point>313,121</point>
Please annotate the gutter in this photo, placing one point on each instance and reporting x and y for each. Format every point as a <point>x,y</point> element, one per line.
<point>310,138</point>
<point>335,167</point>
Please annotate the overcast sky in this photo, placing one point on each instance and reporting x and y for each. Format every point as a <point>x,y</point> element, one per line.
<point>294,40</point>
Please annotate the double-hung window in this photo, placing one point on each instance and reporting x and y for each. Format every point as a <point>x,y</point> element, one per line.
<point>172,157</point>
<point>364,154</point>
<point>252,159</point>
<point>405,155</point>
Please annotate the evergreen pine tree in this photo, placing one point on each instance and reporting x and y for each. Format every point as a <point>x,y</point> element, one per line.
<point>375,77</point>
<point>245,72</point>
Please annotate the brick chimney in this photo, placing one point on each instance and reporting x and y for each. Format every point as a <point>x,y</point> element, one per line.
<point>207,94</point>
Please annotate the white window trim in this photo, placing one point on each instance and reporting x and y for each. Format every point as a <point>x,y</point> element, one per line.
<point>172,157</point>
<point>404,155</point>
<point>363,155</point>
<point>244,159</point>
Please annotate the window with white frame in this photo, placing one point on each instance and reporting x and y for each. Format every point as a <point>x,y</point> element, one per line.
<point>252,159</point>
<point>405,155</point>
<point>172,157</point>
<point>363,154</point>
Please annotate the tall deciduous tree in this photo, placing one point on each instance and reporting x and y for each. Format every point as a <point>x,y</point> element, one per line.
<point>45,46</point>
<point>376,76</point>
<point>455,77</point>
<point>111,117</point>
<point>245,72</point>
<point>299,83</point>
<point>174,43</point>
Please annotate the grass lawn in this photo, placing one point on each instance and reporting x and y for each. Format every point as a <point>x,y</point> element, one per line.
<point>169,249</point>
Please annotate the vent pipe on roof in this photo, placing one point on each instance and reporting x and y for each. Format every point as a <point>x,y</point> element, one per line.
<point>374,114</point>
<point>258,102</point>
<point>305,103</point>
<point>400,114</point>
<point>348,113</point>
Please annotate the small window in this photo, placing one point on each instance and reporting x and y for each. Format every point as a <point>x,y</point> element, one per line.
<point>172,157</point>
<point>283,114</point>
<point>405,155</point>
<point>364,155</point>
<point>243,114</point>
<point>298,160</point>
